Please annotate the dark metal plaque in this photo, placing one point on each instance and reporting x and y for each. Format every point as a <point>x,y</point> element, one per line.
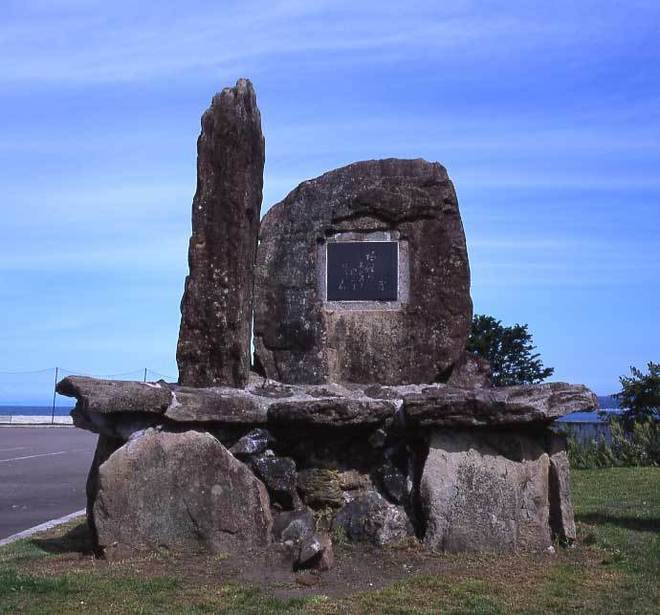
<point>362,271</point>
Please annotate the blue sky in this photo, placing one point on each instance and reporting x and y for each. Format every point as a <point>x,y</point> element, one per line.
<point>546,115</point>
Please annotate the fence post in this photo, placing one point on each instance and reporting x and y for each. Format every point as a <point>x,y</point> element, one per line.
<point>52,416</point>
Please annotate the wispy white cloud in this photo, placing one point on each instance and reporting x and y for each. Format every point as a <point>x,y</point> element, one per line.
<point>132,252</point>
<point>124,43</point>
<point>105,206</point>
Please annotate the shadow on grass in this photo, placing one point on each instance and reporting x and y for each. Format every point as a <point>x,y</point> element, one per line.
<point>629,523</point>
<point>76,540</point>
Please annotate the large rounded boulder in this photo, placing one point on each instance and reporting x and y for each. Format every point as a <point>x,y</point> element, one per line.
<point>181,491</point>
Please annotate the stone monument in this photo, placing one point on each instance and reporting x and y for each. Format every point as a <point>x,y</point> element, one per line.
<point>363,276</point>
<point>217,305</point>
<point>368,417</point>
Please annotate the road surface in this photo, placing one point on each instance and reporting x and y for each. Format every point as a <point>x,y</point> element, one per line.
<point>42,474</point>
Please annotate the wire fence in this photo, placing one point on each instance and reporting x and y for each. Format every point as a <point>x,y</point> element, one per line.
<point>32,393</point>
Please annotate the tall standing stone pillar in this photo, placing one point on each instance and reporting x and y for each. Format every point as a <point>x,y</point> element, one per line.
<point>217,304</point>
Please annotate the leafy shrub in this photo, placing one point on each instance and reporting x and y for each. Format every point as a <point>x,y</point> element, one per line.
<point>508,350</point>
<point>640,394</point>
<point>638,445</point>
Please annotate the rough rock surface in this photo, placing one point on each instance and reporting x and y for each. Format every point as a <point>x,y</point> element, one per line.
<point>320,487</point>
<point>485,492</point>
<point>562,520</point>
<point>363,404</point>
<point>293,525</point>
<point>218,404</point>
<point>296,530</point>
<point>315,552</point>
<point>180,491</point>
<point>471,371</point>
<point>117,408</point>
<point>253,443</point>
<point>105,446</point>
<point>114,425</point>
<point>371,518</point>
<point>299,340</point>
<point>448,406</point>
<point>109,396</point>
<point>326,558</point>
<point>354,481</point>
<point>336,411</point>
<point>216,309</point>
<point>495,490</point>
<point>279,476</point>
<point>394,481</point>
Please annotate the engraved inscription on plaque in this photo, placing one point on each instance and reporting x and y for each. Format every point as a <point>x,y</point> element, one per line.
<point>362,271</point>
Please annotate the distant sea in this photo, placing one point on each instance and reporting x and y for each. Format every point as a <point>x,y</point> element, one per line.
<point>34,410</point>
<point>608,405</point>
<point>598,416</point>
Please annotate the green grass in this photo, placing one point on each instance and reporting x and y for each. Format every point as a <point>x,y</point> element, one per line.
<point>613,569</point>
<point>89,593</point>
<point>618,510</point>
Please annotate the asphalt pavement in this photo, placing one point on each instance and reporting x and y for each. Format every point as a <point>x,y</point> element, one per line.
<point>42,474</point>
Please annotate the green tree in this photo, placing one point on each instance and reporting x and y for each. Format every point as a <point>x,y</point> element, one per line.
<point>640,394</point>
<point>509,350</point>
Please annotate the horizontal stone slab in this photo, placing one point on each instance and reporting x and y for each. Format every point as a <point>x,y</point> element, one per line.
<point>219,404</point>
<point>102,404</point>
<point>331,411</point>
<point>118,425</point>
<point>109,396</point>
<point>447,406</point>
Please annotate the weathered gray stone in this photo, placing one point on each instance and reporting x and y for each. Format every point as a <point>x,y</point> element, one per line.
<point>296,530</point>
<point>122,410</point>
<point>216,310</point>
<point>108,396</point>
<point>378,391</point>
<point>272,390</point>
<point>216,405</point>
<point>366,364</point>
<point>485,492</point>
<point>393,481</point>
<point>471,371</point>
<point>371,518</point>
<point>562,519</point>
<point>252,443</point>
<point>326,559</point>
<point>331,412</point>
<point>436,405</point>
<point>300,338</point>
<point>132,402</point>
<point>310,550</point>
<point>181,491</point>
<point>315,552</point>
<point>279,476</point>
<point>332,389</point>
<point>447,406</point>
<point>293,525</point>
<point>105,446</point>
<point>121,425</point>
